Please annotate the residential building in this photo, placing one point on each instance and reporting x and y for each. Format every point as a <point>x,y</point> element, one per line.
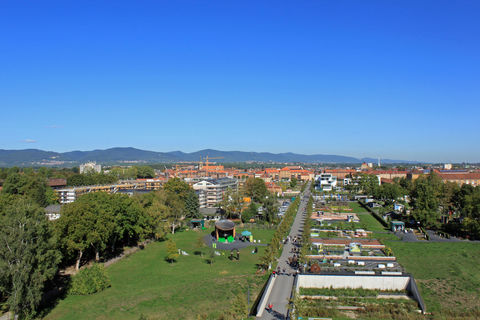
<point>68,195</point>
<point>326,181</point>
<point>210,191</point>
<point>90,167</point>
<point>460,177</point>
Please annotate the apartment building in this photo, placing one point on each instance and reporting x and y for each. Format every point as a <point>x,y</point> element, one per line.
<point>68,195</point>
<point>210,191</point>
<point>326,181</point>
<point>90,167</point>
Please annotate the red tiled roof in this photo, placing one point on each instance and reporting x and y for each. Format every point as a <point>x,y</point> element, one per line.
<point>57,182</point>
<point>460,176</point>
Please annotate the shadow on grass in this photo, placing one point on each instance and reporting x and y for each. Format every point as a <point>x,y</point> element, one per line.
<point>55,290</point>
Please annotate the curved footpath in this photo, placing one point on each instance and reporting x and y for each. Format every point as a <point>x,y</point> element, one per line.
<point>282,289</point>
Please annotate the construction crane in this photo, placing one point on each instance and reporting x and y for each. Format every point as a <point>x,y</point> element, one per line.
<point>207,162</point>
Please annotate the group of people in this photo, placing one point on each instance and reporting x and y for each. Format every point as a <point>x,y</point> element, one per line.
<point>293,261</point>
<point>293,239</point>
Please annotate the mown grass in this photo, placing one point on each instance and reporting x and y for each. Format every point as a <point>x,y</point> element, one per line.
<point>369,222</point>
<point>447,274</point>
<point>145,284</point>
<point>356,207</point>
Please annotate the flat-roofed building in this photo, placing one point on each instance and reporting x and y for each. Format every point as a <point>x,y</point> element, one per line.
<point>210,191</point>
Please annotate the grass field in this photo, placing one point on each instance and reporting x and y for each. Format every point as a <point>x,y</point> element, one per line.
<point>447,274</point>
<point>356,207</point>
<point>370,223</point>
<point>144,283</point>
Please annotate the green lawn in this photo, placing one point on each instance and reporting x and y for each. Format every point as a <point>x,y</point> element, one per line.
<point>144,283</point>
<point>370,223</point>
<point>356,207</point>
<point>447,274</point>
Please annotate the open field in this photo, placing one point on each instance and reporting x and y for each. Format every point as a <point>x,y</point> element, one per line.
<point>369,222</point>
<point>446,273</point>
<point>356,207</point>
<point>144,283</point>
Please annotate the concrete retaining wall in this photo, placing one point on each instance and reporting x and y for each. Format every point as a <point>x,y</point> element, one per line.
<point>379,282</point>
<point>353,281</point>
<point>266,293</point>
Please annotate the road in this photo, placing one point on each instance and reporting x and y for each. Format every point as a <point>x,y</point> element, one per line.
<point>282,289</point>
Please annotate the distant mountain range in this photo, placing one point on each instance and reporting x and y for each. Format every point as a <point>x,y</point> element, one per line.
<point>35,157</point>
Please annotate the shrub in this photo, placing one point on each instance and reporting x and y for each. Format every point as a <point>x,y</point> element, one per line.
<point>90,280</point>
<point>172,251</point>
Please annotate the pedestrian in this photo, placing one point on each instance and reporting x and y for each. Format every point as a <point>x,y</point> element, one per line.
<point>273,273</point>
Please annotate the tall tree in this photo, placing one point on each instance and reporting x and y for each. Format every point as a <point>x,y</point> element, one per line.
<point>425,199</point>
<point>256,189</point>
<point>84,225</point>
<point>128,219</point>
<point>186,194</point>
<point>232,203</point>
<point>145,172</point>
<point>250,212</point>
<point>270,208</point>
<point>154,224</point>
<point>28,257</point>
<point>31,185</point>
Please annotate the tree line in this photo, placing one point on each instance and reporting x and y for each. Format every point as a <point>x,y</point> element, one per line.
<point>283,229</point>
<point>95,226</point>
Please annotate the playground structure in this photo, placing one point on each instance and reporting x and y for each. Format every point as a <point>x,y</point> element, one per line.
<point>225,231</point>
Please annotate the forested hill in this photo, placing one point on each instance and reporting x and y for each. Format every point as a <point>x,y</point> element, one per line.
<point>32,157</point>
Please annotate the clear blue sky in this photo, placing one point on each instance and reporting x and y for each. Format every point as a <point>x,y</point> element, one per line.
<point>396,79</point>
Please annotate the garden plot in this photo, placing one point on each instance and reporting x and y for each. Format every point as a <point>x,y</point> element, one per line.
<point>352,296</point>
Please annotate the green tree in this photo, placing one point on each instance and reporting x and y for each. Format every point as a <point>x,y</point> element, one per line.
<point>270,208</point>
<point>368,183</point>
<point>31,185</point>
<point>190,205</point>
<point>389,192</point>
<point>145,172</point>
<point>28,257</point>
<point>154,205</point>
<point>250,212</point>
<point>129,220</point>
<point>172,251</point>
<point>293,182</point>
<point>426,199</point>
<point>256,189</point>
<point>90,280</point>
<point>85,224</point>
<point>232,203</point>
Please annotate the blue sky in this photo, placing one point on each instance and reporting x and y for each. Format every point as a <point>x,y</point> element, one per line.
<point>395,79</point>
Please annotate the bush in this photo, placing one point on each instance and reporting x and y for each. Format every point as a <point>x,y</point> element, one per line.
<point>90,280</point>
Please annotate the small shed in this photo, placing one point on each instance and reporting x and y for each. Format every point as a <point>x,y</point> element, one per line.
<point>397,226</point>
<point>224,229</point>
<point>197,223</point>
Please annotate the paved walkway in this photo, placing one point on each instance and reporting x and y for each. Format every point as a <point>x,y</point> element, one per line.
<point>237,244</point>
<point>282,289</point>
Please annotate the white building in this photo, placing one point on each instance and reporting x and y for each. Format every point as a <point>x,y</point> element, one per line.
<point>211,191</point>
<point>326,181</point>
<point>90,167</point>
<point>67,195</point>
